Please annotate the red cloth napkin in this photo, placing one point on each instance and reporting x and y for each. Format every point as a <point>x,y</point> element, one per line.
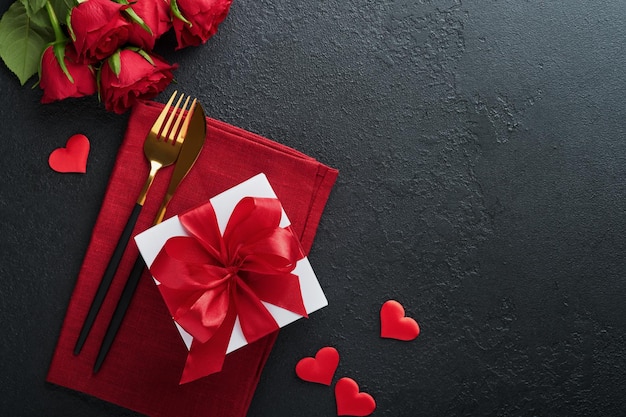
<point>144,364</point>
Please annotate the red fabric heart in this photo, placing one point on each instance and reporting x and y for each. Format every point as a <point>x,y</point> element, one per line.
<point>351,402</point>
<point>393,323</point>
<point>320,369</point>
<point>72,158</point>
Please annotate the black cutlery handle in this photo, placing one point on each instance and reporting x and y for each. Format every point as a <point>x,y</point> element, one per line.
<point>120,312</point>
<point>107,278</point>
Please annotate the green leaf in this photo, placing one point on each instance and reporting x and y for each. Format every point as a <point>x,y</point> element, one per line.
<point>35,10</point>
<point>177,13</point>
<point>62,8</point>
<point>141,52</point>
<point>59,53</point>
<point>99,82</point>
<point>135,18</point>
<point>146,56</point>
<point>39,18</point>
<point>115,62</point>
<point>22,42</point>
<point>70,29</point>
<point>33,6</point>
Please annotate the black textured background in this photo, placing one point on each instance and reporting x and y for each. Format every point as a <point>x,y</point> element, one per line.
<point>481,148</point>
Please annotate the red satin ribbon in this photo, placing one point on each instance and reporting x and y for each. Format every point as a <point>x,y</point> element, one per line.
<point>208,280</point>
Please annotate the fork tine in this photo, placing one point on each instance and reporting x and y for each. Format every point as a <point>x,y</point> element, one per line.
<point>172,134</point>
<point>165,132</point>
<point>159,121</point>
<point>183,130</point>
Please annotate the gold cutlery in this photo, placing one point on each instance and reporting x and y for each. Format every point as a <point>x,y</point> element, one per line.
<point>188,155</point>
<point>161,148</point>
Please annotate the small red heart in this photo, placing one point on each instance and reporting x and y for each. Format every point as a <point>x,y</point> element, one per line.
<point>393,323</point>
<point>320,369</point>
<point>72,158</point>
<point>351,402</point>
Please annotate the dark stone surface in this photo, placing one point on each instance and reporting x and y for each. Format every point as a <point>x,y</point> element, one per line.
<point>482,156</point>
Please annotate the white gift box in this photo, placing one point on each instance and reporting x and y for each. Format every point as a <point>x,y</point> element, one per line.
<point>152,240</point>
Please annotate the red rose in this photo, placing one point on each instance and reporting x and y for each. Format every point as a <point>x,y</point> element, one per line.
<point>203,17</point>
<point>156,15</point>
<point>55,83</point>
<point>140,76</point>
<point>98,29</point>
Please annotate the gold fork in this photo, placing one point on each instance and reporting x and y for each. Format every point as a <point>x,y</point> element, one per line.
<point>161,148</point>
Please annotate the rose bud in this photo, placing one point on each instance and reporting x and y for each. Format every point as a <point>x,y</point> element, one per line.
<point>195,21</point>
<point>98,29</point>
<point>130,75</point>
<point>155,15</point>
<point>56,84</point>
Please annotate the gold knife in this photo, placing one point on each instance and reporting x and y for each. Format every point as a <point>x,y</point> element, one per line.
<point>194,140</point>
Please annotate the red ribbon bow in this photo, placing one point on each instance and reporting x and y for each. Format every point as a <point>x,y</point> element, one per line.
<point>209,279</point>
